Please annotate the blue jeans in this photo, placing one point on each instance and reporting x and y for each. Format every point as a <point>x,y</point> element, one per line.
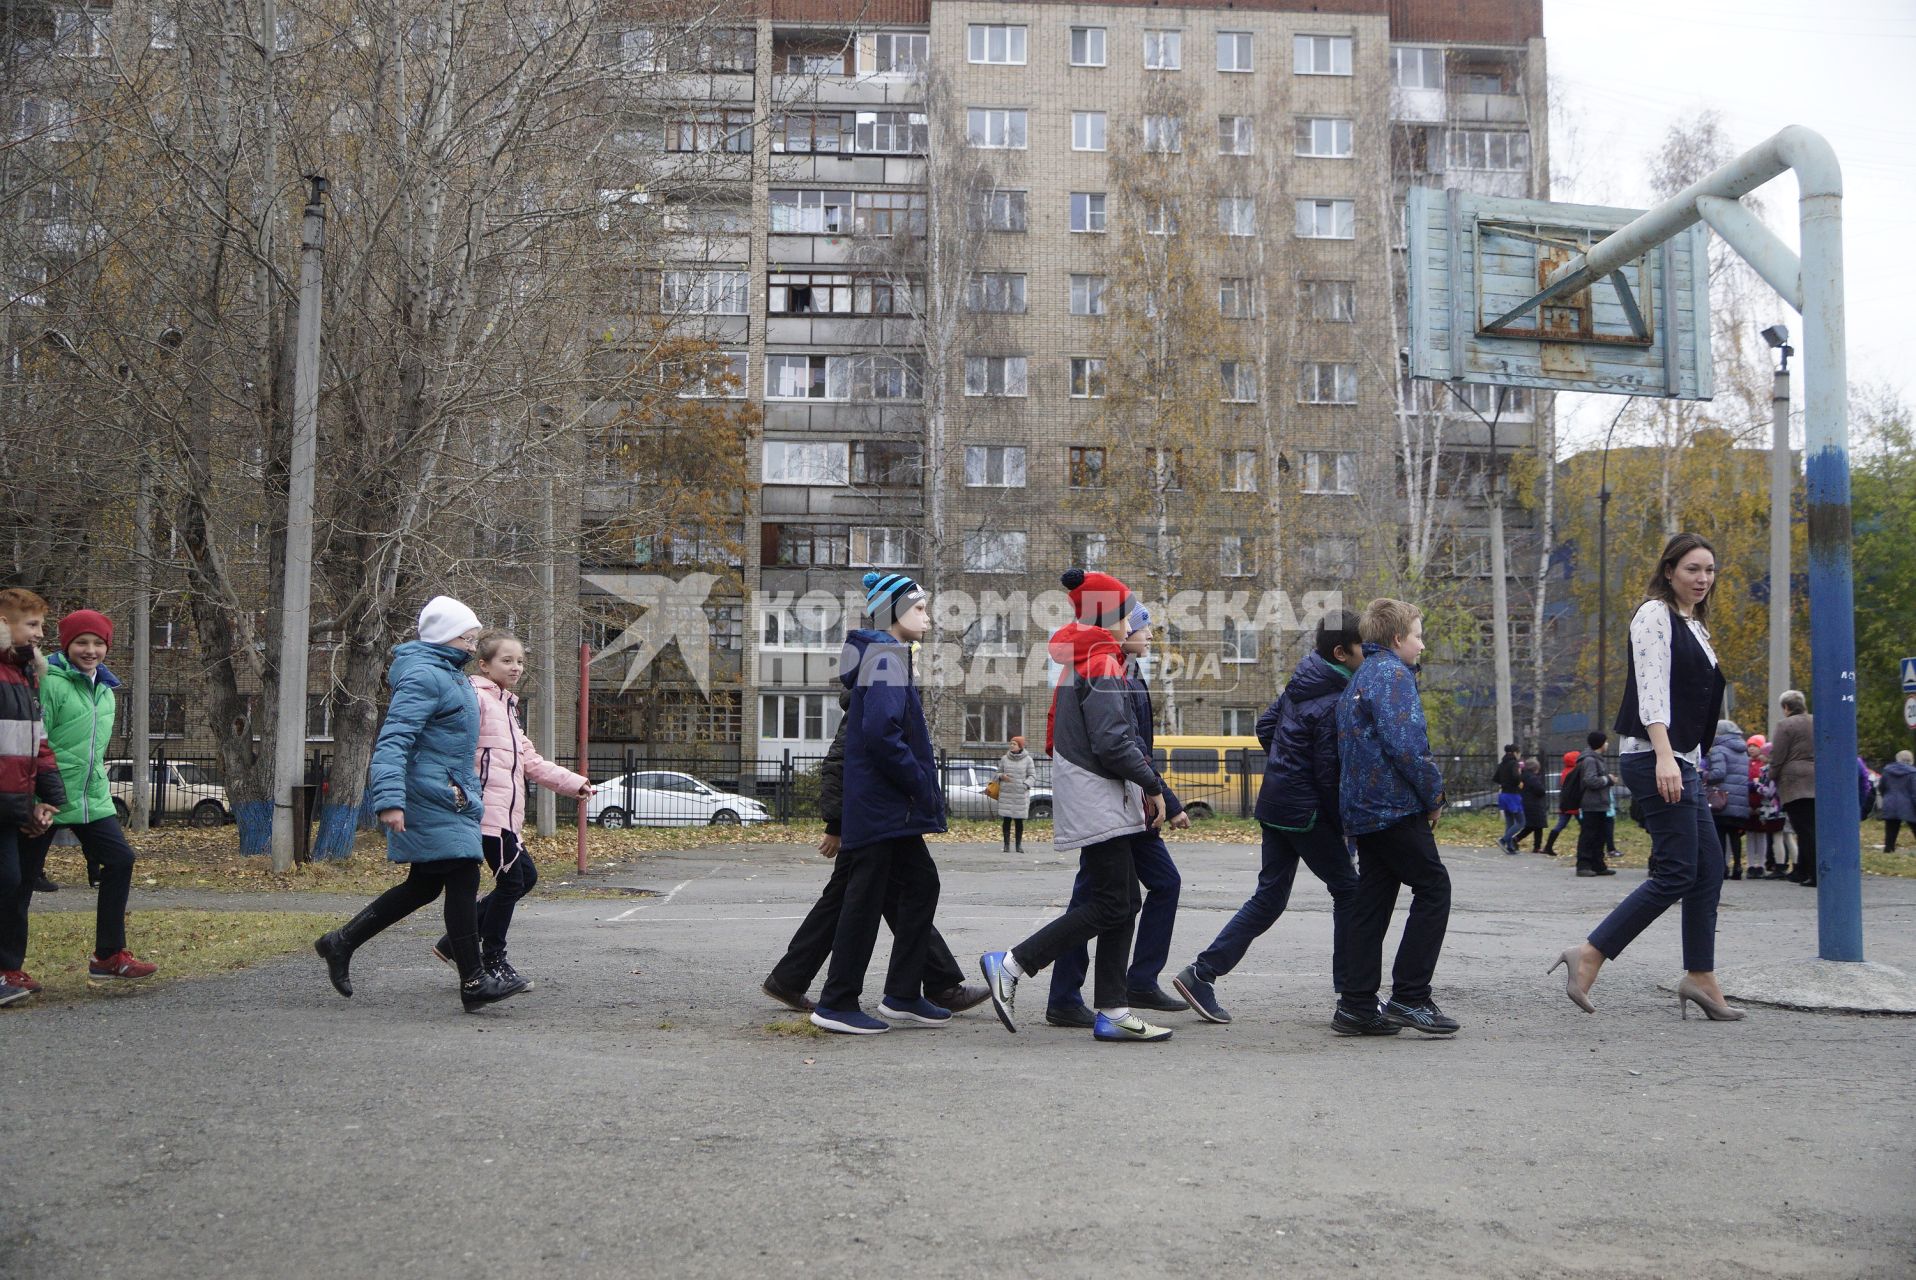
<point>1159,876</point>
<point>1320,849</point>
<point>1686,865</point>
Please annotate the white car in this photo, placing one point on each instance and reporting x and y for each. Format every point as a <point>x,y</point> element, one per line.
<point>187,790</point>
<point>655,798</point>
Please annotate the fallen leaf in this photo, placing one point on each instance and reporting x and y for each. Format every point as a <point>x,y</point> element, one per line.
<point>810,1061</point>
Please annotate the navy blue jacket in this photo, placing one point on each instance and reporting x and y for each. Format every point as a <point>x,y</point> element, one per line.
<point>1299,733</point>
<point>891,786</point>
<point>1140,691</point>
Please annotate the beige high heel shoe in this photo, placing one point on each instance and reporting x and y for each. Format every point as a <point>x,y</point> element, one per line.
<point>1579,996</point>
<point>1715,1010</point>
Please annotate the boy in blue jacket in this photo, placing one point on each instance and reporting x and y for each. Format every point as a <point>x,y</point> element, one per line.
<point>1297,806</point>
<point>1390,793</point>
<point>892,799</point>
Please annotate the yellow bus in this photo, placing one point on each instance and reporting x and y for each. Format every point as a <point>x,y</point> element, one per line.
<point>1213,774</point>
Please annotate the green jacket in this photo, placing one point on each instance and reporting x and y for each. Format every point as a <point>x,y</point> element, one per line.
<point>79,719</point>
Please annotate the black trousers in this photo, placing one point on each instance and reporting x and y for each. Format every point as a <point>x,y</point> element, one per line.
<point>1803,822</point>
<point>457,878</point>
<point>1402,854</point>
<point>872,871</point>
<point>1107,913</point>
<point>811,944</point>
<point>1008,824</point>
<point>1731,838</point>
<point>509,884</point>
<point>24,858</point>
<point>1590,841</point>
<point>1890,827</point>
<point>1536,837</point>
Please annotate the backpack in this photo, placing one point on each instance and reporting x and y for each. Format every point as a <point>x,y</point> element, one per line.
<point>1570,796</point>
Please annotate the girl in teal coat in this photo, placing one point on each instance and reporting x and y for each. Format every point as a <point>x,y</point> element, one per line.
<point>425,788</point>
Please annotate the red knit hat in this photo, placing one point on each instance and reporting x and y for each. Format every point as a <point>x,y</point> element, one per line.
<point>83,622</point>
<point>1099,599</point>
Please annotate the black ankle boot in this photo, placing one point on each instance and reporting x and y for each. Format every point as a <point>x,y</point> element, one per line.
<point>336,948</point>
<point>478,985</point>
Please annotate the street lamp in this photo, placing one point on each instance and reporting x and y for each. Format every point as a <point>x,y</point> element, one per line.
<point>1603,571</point>
<point>1781,477</point>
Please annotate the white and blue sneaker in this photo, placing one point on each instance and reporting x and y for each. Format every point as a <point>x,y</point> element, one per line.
<point>1129,1028</point>
<point>847,1022</point>
<point>1003,988</point>
<point>918,1010</point>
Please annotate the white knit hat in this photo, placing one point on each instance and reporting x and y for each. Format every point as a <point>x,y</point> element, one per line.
<point>445,619</point>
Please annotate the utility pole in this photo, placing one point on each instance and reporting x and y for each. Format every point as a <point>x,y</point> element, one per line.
<point>1782,480</point>
<point>547,814</point>
<point>295,637</point>
<point>140,731</point>
<point>1499,588</point>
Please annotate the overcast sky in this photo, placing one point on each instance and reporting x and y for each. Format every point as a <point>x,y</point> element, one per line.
<point>1628,69</point>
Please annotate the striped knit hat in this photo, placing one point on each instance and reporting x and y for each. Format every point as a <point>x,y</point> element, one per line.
<point>889,594</point>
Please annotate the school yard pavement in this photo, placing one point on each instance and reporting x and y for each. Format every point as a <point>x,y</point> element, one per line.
<point>634,1116</point>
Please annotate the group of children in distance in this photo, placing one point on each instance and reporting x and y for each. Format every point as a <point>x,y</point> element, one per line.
<point>56,718</point>
<point>1349,761</point>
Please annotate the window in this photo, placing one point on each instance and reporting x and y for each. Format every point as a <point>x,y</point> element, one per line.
<point>1333,557</point>
<point>1327,472</point>
<point>1237,215</point>
<point>1234,51</point>
<point>709,131</point>
<point>993,723</point>
<point>1087,295</point>
<point>886,53</point>
<point>997,127</point>
<point>992,552</point>
<point>799,133</point>
<point>1238,722</point>
<point>1163,134</point>
<point>993,636</point>
<point>722,49</point>
<point>1085,466</point>
<point>1417,68</point>
<point>999,210</point>
<point>1166,469</point>
<point>1237,555</point>
<point>714,376</point>
<point>1327,219</point>
<point>1237,471</point>
<point>882,214</point>
<point>1005,45</point>
<point>1239,381</point>
<point>703,293</point>
<point>1239,642</point>
<point>1087,383</point>
<point>168,629</point>
<point>1236,298</point>
<point>1325,382</point>
<point>820,293</point>
<point>1483,399</point>
<point>994,375</point>
<point>166,716</point>
<point>163,30</point>
<point>884,547</point>
<point>1163,50</point>
<point>804,626</point>
<point>798,717</point>
<point>1496,149</point>
<point>1164,552</point>
<point>1321,55</point>
<point>998,292</point>
<point>84,33</point>
<point>826,213</point>
<point>1332,301</point>
<point>806,462</point>
<point>802,546</point>
<point>807,377</point>
<point>1087,130</point>
<point>1234,135</point>
<point>991,466</point>
<point>1087,211</point>
<point>1466,554</point>
<point>885,462</point>
<point>890,133</point>
<point>1088,550</point>
<point>1325,137</point>
<point>1161,217</point>
<point>1087,46</point>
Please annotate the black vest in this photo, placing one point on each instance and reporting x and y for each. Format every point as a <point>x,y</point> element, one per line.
<point>1696,692</point>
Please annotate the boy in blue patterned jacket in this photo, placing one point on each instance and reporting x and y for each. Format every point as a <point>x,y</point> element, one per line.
<point>1390,793</point>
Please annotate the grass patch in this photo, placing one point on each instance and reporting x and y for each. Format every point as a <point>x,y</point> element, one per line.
<point>799,1027</point>
<point>1878,863</point>
<point>184,944</point>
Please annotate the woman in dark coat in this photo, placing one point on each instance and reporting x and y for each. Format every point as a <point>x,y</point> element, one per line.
<point>1536,805</point>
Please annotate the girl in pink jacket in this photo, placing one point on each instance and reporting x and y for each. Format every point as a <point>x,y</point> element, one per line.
<point>506,760</point>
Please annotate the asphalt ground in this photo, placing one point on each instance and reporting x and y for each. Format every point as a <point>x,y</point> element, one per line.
<point>634,1116</point>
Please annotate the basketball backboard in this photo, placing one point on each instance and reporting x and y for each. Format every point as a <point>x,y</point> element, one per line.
<point>1643,330</point>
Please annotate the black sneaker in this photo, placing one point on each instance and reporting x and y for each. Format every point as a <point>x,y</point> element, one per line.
<point>487,987</point>
<point>45,884</point>
<point>1425,1017</point>
<point>1070,1015</point>
<point>1354,1022</point>
<point>1200,995</point>
<point>503,967</point>
<point>1154,998</point>
<point>961,997</point>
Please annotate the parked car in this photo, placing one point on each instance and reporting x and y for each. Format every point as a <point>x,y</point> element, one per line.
<point>965,793</point>
<point>656,798</point>
<point>186,790</point>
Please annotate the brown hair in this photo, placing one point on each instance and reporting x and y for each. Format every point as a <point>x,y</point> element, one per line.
<point>18,602</point>
<point>486,647</point>
<point>1673,552</point>
<point>1385,621</point>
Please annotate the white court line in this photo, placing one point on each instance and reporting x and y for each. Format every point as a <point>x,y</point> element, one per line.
<point>660,902</point>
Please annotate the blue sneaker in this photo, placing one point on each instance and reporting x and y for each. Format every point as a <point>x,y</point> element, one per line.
<point>848,1022</point>
<point>10,993</point>
<point>1200,995</point>
<point>1003,988</point>
<point>919,1010</point>
<point>1424,1016</point>
<point>1129,1028</point>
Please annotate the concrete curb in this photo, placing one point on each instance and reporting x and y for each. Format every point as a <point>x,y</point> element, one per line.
<point>1828,986</point>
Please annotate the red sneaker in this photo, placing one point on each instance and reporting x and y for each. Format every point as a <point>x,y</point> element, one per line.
<point>19,978</point>
<point>120,965</point>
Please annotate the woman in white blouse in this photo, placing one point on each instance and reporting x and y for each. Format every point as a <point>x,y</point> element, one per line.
<point>1671,702</point>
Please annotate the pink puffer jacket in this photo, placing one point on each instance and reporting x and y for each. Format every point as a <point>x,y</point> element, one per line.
<point>507,759</point>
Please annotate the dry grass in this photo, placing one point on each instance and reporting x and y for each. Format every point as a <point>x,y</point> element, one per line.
<point>799,1027</point>
<point>184,944</point>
